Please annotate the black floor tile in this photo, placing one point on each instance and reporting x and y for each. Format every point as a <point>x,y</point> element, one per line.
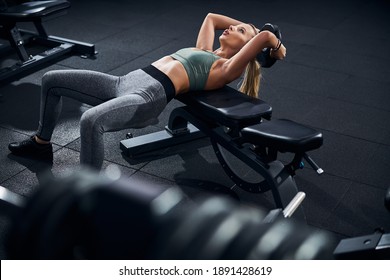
<point>318,14</point>
<point>366,20</point>
<point>24,183</point>
<point>360,212</point>
<point>134,41</point>
<point>299,34</point>
<point>190,161</point>
<point>311,80</point>
<point>323,195</point>
<point>344,61</point>
<point>364,92</point>
<point>347,157</point>
<point>352,42</point>
<point>113,14</point>
<point>374,170</point>
<point>351,119</point>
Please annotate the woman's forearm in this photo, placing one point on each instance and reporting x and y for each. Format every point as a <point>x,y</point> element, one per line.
<point>221,22</point>
<point>211,23</point>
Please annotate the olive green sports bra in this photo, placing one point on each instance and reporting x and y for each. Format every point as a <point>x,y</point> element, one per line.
<point>197,64</point>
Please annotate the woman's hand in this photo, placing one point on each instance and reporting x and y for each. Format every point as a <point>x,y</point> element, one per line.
<point>280,53</point>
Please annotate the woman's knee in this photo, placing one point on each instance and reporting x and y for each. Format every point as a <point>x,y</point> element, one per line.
<point>52,80</point>
<point>52,77</point>
<point>90,123</point>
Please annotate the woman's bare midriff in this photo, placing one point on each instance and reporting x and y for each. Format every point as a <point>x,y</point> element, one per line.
<point>175,71</point>
<point>178,75</point>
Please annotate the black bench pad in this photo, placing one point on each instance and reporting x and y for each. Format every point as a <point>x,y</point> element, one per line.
<point>283,135</point>
<point>31,10</point>
<point>227,106</point>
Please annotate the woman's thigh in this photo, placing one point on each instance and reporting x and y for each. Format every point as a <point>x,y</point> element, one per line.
<point>90,87</point>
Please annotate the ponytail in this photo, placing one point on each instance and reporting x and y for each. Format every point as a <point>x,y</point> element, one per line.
<point>251,82</point>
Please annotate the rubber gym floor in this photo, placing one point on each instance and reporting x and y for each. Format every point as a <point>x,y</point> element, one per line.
<point>335,78</point>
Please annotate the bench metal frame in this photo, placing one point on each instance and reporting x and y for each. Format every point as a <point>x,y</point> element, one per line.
<point>56,48</point>
<point>283,190</point>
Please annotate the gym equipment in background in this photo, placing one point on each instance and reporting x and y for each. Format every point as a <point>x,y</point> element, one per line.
<point>50,48</point>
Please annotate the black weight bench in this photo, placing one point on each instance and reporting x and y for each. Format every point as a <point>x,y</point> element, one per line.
<point>222,107</point>
<point>241,126</point>
<point>54,47</point>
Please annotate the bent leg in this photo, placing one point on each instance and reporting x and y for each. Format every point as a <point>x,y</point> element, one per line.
<point>86,86</point>
<point>128,111</point>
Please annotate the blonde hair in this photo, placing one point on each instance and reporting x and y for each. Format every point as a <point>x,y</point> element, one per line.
<point>251,82</point>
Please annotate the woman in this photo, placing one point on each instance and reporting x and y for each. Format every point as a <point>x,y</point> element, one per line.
<point>136,99</point>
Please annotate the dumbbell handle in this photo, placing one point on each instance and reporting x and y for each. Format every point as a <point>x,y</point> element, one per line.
<point>314,165</point>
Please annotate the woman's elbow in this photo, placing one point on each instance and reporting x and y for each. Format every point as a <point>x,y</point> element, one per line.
<point>210,15</point>
<point>265,37</point>
<point>209,18</point>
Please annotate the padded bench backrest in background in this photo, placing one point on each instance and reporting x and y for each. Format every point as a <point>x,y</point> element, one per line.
<point>30,10</point>
<point>227,106</point>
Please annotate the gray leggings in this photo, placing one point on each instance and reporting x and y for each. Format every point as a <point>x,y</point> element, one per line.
<point>131,101</point>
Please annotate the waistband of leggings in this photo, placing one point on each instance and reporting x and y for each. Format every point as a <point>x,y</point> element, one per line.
<point>167,84</point>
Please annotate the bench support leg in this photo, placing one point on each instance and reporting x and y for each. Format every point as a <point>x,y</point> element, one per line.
<point>57,48</point>
<point>158,140</point>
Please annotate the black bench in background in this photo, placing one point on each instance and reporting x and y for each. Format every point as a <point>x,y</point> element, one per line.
<point>55,48</point>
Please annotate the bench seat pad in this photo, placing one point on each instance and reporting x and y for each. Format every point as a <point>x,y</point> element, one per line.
<point>283,135</point>
<point>227,106</point>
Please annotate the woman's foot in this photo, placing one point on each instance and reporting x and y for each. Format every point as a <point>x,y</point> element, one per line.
<point>32,148</point>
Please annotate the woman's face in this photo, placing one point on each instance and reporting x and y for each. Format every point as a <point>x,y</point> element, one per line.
<point>236,36</point>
